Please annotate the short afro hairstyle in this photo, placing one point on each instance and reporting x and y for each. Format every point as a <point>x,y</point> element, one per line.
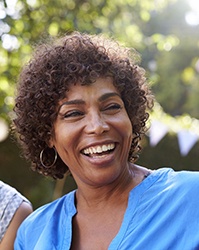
<point>54,67</point>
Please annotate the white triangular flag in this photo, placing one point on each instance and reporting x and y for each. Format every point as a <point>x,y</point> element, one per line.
<point>157,131</point>
<point>186,140</point>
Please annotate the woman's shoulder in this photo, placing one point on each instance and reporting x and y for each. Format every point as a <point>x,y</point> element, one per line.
<point>183,179</point>
<point>172,173</point>
<point>183,175</point>
<point>63,205</point>
<point>167,184</point>
<point>168,178</point>
<point>47,220</point>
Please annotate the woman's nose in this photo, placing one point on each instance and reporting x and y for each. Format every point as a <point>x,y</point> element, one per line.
<point>96,124</point>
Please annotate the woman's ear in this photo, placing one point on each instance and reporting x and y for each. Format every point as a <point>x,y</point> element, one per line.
<point>50,143</point>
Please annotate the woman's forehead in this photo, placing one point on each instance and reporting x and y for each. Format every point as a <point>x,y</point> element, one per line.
<point>101,87</point>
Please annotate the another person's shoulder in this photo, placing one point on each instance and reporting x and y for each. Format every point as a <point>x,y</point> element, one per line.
<point>24,210</point>
<point>14,209</point>
<point>11,202</point>
<point>8,193</point>
<point>20,215</point>
<point>6,190</point>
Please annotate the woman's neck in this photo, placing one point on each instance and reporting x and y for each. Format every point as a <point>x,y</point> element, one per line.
<point>111,194</point>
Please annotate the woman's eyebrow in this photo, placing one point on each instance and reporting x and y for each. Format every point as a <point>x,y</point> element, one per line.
<point>107,95</point>
<point>80,101</point>
<point>72,102</point>
<point>75,101</point>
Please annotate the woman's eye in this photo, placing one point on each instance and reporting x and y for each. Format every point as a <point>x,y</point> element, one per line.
<point>113,107</point>
<point>75,113</point>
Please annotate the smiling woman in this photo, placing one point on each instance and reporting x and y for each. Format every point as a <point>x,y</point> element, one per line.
<point>81,108</point>
<point>71,60</point>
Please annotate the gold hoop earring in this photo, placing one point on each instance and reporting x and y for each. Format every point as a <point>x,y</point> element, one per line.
<point>41,158</point>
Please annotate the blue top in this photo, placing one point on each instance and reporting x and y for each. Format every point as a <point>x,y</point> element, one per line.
<point>162,214</point>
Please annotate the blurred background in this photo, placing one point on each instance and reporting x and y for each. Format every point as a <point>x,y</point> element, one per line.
<point>164,32</point>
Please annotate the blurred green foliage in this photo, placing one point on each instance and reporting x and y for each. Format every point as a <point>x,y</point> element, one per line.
<point>157,29</point>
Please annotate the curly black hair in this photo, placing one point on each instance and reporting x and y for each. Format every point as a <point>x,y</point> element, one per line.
<point>58,64</point>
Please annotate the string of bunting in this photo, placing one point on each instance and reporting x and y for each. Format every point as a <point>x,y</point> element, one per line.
<point>184,127</point>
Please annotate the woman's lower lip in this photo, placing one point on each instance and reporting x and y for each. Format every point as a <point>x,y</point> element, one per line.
<point>100,159</point>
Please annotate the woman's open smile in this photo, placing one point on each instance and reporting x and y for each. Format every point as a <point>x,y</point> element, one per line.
<point>99,150</point>
<point>100,155</point>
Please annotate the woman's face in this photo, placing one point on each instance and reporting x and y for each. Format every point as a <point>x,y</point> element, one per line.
<point>93,133</point>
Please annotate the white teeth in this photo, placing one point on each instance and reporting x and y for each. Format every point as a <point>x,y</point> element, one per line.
<point>99,149</point>
<point>104,148</point>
